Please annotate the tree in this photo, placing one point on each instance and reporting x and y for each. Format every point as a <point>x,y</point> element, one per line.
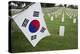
<point>60,5</point>
<point>65,5</point>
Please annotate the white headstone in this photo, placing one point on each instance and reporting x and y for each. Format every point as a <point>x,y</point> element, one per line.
<point>70,17</point>
<point>74,20</point>
<point>61,31</point>
<point>74,15</point>
<point>49,14</point>
<point>63,17</point>
<point>55,16</point>
<point>51,18</point>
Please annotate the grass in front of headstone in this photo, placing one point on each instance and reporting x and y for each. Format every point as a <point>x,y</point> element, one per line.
<point>53,42</point>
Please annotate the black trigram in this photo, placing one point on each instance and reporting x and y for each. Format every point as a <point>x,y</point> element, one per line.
<point>42,29</point>
<point>25,22</point>
<point>35,14</point>
<point>33,37</point>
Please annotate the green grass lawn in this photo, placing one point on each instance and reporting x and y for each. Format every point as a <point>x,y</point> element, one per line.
<point>19,42</point>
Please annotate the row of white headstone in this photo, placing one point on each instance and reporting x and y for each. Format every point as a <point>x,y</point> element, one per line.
<point>62,19</point>
<point>55,14</point>
<point>62,28</point>
<point>71,12</point>
<point>74,20</point>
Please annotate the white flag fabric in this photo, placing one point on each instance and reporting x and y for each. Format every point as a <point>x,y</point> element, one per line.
<point>32,24</point>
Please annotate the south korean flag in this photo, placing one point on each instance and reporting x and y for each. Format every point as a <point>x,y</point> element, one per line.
<point>32,24</point>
